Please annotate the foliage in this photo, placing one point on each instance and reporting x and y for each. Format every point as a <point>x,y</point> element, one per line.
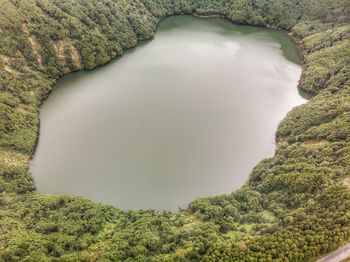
<point>295,206</point>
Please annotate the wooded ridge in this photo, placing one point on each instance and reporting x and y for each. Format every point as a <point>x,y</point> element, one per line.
<point>295,206</point>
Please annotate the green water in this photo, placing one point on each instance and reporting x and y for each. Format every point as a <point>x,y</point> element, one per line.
<point>186,115</point>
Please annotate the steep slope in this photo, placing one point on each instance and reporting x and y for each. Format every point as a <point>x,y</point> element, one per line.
<point>295,206</point>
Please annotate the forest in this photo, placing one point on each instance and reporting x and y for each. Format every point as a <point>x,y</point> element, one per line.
<point>294,207</point>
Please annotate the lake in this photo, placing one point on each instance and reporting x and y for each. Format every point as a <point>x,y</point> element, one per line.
<point>185,115</point>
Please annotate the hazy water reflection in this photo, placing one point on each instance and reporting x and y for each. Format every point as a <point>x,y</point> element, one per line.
<point>186,115</point>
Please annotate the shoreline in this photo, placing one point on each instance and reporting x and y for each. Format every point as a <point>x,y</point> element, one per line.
<point>304,185</point>
<point>131,48</point>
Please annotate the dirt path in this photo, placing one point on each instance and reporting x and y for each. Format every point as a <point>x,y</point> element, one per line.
<point>338,255</point>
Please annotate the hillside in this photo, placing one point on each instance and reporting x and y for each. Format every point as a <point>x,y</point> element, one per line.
<point>295,206</point>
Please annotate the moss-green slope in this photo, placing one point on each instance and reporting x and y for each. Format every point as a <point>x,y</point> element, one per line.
<point>295,206</point>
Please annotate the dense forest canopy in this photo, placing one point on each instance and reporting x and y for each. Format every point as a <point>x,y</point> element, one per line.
<point>295,206</point>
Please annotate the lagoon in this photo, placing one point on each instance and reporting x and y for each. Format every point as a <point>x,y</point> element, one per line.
<point>185,115</point>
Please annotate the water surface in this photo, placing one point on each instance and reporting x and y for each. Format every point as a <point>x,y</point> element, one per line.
<point>186,115</point>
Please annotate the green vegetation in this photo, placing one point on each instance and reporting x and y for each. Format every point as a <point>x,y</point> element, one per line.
<point>295,206</point>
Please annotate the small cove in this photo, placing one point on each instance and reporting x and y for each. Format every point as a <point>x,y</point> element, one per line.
<point>186,115</point>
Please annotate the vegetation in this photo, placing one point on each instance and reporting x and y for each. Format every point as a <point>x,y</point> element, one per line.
<point>295,206</point>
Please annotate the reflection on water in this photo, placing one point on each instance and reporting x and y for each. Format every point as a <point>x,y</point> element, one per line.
<point>186,115</point>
